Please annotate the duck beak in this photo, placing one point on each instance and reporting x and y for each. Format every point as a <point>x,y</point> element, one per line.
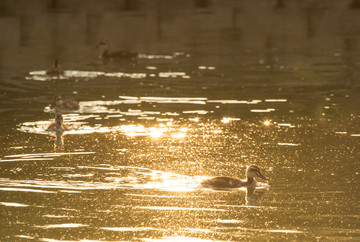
<point>262,176</point>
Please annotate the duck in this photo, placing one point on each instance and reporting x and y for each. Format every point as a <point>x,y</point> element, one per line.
<point>56,69</point>
<point>59,105</point>
<point>58,124</point>
<point>105,53</point>
<point>224,182</point>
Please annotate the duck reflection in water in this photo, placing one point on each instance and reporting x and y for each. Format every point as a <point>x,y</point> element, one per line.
<point>105,53</point>
<point>59,105</point>
<point>59,139</point>
<point>56,69</point>
<point>231,182</point>
<point>254,198</point>
<point>58,127</point>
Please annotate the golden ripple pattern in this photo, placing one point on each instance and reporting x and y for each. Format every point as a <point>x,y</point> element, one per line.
<point>93,114</point>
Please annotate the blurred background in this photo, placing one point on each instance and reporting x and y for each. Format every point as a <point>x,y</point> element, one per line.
<point>278,34</point>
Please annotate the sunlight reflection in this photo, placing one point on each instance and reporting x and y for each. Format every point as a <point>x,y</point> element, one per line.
<point>172,182</point>
<point>82,127</point>
<point>226,120</point>
<point>164,120</point>
<point>206,67</point>
<point>184,129</point>
<point>156,132</point>
<point>56,216</point>
<point>92,114</point>
<point>171,74</point>
<point>283,231</point>
<point>179,239</point>
<point>229,221</point>
<point>42,76</point>
<point>39,156</point>
<point>132,130</point>
<point>8,204</point>
<point>70,225</point>
<point>186,100</point>
<point>23,190</point>
<point>152,196</point>
<point>129,229</point>
<point>275,100</point>
<point>194,119</point>
<point>182,208</point>
<point>26,237</point>
<point>259,230</point>
<point>288,144</point>
<point>178,135</point>
<point>200,112</point>
<point>268,110</point>
<point>286,125</point>
<point>234,101</point>
<point>151,57</point>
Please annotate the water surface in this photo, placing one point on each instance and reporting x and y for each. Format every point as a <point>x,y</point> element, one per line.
<point>201,100</point>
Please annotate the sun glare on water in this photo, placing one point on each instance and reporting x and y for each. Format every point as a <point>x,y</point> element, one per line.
<point>267,122</point>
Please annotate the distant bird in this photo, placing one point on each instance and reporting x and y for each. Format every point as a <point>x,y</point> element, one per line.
<point>105,53</point>
<point>58,124</point>
<point>59,105</point>
<point>56,69</point>
<point>230,182</point>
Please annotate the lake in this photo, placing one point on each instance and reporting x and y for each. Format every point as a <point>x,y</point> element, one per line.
<point>216,86</point>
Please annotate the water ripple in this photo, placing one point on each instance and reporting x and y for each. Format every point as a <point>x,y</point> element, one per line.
<point>8,204</point>
<point>39,156</point>
<point>140,178</point>
<point>42,76</point>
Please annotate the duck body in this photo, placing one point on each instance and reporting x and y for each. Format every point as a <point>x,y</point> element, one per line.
<point>58,125</point>
<point>56,69</point>
<point>60,105</point>
<point>106,54</point>
<point>124,55</point>
<point>53,127</point>
<point>224,182</point>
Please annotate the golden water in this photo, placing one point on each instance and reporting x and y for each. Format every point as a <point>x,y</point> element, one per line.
<point>211,92</point>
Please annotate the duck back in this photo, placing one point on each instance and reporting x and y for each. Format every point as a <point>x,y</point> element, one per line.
<point>222,182</point>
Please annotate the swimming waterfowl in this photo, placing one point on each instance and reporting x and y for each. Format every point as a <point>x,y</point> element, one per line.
<point>58,124</point>
<point>59,105</point>
<point>106,54</point>
<point>56,69</point>
<point>230,182</point>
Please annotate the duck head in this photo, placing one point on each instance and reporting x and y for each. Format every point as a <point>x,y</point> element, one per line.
<point>56,63</point>
<point>103,46</point>
<point>254,171</point>
<point>57,102</point>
